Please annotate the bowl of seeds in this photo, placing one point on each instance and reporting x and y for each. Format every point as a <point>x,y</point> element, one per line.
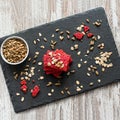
<point>14,50</point>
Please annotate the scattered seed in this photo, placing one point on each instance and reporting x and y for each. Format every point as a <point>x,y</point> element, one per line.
<point>61,37</point>
<point>68,92</point>
<point>92,42</point>
<point>38,40</point>
<point>52,90</point>
<point>61,33</point>
<point>88,52</point>
<point>91,83</point>
<point>57,30</point>
<point>49,94</point>
<point>85,62</point>
<point>34,61</point>
<point>42,46</point>
<point>72,71</point>
<point>81,86</point>
<point>79,65</point>
<point>22,99</point>
<point>39,63</point>
<point>68,32</point>
<point>16,76</point>
<point>99,80</point>
<point>76,46</point>
<point>79,52</point>
<point>68,73</point>
<point>91,48</point>
<point>89,69</point>
<point>49,84</point>
<point>66,88</point>
<point>98,37</point>
<point>52,35</point>
<point>41,77</point>
<point>72,48</point>
<point>29,59</point>
<point>68,37</point>
<point>96,72</point>
<point>37,53</point>
<point>45,39</point>
<point>87,20</point>
<point>73,38</point>
<point>17,94</point>
<point>40,34</point>
<point>62,92</point>
<point>78,89</point>
<point>57,84</point>
<point>35,42</point>
<point>79,28</point>
<point>81,60</point>
<point>88,74</point>
<point>103,69</point>
<point>77,82</point>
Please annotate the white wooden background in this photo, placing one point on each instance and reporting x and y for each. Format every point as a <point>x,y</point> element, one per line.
<point>98,104</point>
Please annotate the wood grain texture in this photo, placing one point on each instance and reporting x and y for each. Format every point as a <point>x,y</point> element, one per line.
<point>99,104</point>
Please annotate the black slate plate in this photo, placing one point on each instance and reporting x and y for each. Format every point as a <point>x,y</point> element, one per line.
<point>70,23</point>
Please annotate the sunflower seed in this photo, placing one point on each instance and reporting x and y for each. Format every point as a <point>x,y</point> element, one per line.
<point>17,94</point>
<point>77,82</point>
<point>79,65</point>
<point>39,63</point>
<point>91,83</point>
<point>49,94</point>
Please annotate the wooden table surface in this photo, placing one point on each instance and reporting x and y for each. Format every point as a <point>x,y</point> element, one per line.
<point>99,104</point>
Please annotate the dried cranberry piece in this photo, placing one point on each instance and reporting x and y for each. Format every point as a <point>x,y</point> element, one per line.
<point>86,28</point>
<point>35,91</point>
<point>23,82</point>
<point>24,88</point>
<point>89,35</point>
<point>78,35</point>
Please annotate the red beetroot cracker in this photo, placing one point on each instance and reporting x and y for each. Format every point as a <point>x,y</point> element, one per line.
<point>56,62</point>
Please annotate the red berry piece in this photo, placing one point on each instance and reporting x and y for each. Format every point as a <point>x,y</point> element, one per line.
<point>23,82</point>
<point>86,28</point>
<point>24,88</point>
<point>78,35</point>
<point>89,35</point>
<point>35,91</point>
